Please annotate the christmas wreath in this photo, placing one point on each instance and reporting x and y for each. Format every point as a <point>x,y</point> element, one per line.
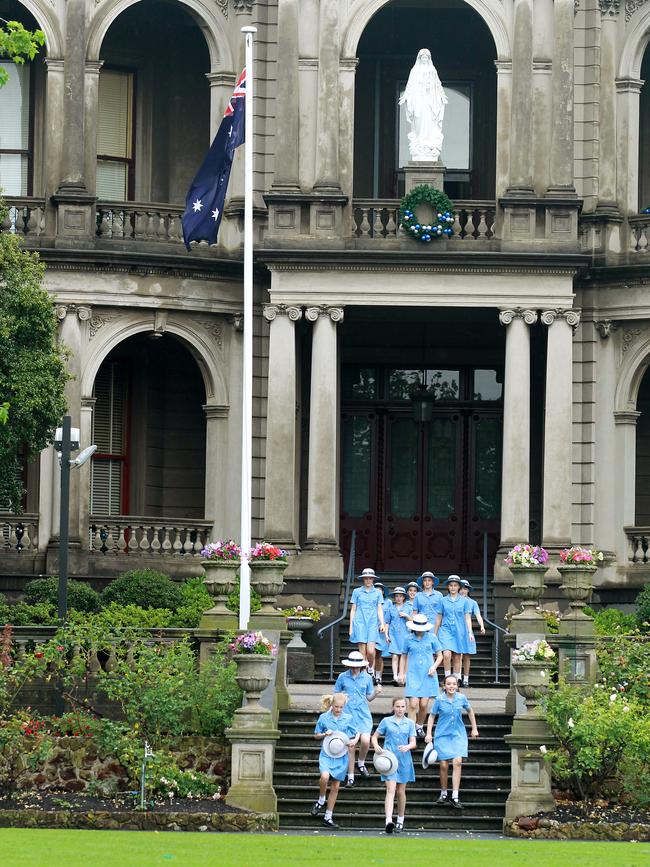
<point>442,218</point>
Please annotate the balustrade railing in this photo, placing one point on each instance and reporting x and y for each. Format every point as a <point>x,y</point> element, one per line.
<point>25,216</point>
<point>18,533</point>
<point>638,539</point>
<point>139,221</point>
<point>640,233</point>
<point>378,220</point>
<point>152,537</point>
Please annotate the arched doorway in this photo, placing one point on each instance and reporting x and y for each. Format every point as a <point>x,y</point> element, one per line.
<point>149,426</point>
<point>644,133</point>
<point>463,52</point>
<point>642,498</point>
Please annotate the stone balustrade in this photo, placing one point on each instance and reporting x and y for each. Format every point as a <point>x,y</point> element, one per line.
<point>640,233</point>
<point>139,221</point>
<point>638,539</point>
<point>25,216</point>
<point>378,220</point>
<point>18,533</point>
<point>145,536</point>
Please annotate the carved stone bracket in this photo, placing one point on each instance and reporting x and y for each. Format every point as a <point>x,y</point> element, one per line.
<point>272,310</point>
<point>334,313</point>
<point>508,316</point>
<point>605,327</point>
<point>242,6</point>
<point>572,317</point>
<point>609,7</point>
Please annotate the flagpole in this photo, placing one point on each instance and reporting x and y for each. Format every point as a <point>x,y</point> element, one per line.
<point>247,397</point>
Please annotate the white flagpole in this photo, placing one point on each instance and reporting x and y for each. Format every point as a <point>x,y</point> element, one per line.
<point>247,399</point>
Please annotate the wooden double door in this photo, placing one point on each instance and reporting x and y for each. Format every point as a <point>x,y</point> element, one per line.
<point>421,495</point>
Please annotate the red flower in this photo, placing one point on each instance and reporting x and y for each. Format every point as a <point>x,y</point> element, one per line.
<point>39,654</point>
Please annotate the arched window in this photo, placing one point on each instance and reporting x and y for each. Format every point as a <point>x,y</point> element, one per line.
<point>16,130</point>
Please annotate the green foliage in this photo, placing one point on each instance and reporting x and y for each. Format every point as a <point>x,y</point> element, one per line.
<point>643,609</point>
<point>145,588</point>
<point>21,746</point>
<point>23,614</point>
<point>167,779</point>
<point>32,369</point>
<point>412,220</point>
<point>611,621</point>
<point>115,616</point>
<point>18,44</point>
<point>624,662</point>
<point>81,596</point>
<point>233,600</point>
<point>195,600</point>
<point>4,413</point>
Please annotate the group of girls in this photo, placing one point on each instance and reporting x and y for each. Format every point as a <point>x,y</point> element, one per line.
<point>446,743</point>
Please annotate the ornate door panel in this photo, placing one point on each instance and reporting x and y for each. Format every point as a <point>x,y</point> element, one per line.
<point>483,505</point>
<point>359,500</point>
<point>402,529</point>
<point>443,494</point>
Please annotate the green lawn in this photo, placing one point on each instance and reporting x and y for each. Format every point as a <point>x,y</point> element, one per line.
<point>27,848</point>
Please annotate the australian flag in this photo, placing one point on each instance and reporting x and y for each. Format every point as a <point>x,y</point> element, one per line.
<point>206,196</point>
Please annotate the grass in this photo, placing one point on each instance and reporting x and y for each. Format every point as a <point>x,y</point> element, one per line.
<point>38,848</point>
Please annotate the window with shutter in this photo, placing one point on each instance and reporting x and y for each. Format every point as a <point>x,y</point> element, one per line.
<point>115,163</point>
<point>16,131</point>
<point>108,491</point>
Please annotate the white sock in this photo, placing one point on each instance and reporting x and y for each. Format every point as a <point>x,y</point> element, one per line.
<point>351,777</point>
<point>457,675</point>
<point>361,764</point>
<point>328,814</point>
<point>447,673</point>
<point>443,793</point>
<point>389,819</point>
<point>454,795</point>
<point>321,800</point>
<point>400,820</point>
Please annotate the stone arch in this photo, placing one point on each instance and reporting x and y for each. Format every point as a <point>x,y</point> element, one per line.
<point>491,11</point>
<point>635,365</point>
<point>221,57</point>
<point>196,342</point>
<point>48,23</point>
<point>634,48</point>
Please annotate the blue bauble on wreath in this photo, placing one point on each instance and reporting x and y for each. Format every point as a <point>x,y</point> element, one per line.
<point>442,219</point>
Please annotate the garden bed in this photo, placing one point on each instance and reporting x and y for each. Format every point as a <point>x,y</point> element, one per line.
<point>583,820</point>
<point>64,810</point>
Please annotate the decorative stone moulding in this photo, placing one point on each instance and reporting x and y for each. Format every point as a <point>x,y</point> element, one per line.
<point>506,317</point>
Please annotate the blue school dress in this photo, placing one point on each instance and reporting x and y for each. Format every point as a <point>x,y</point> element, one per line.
<point>396,734</point>
<point>421,656</point>
<point>357,689</point>
<point>397,630</point>
<point>450,736</point>
<point>365,626</point>
<point>470,646</point>
<point>382,644</point>
<point>429,604</point>
<point>336,768</point>
<point>453,634</point>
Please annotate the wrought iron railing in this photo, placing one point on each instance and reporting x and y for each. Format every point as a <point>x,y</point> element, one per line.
<point>329,627</point>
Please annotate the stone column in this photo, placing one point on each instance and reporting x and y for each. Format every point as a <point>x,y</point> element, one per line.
<point>322,504</point>
<point>85,435</point>
<point>607,527</point>
<point>607,110</point>
<point>92,110</point>
<point>562,136</point>
<point>521,123</point>
<point>221,86</point>
<point>280,509</point>
<point>628,95</point>
<point>516,427</point>
<point>558,434</point>
<point>53,135</point>
<point>216,467</point>
<point>327,135</point>
<point>504,96</point>
<point>287,102</point>
<point>626,478</point>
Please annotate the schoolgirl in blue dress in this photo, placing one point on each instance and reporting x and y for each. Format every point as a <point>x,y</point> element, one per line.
<point>428,600</point>
<point>382,650</point>
<point>367,617</point>
<point>412,591</point>
<point>423,656</point>
<point>357,684</point>
<point>397,617</point>
<point>454,626</point>
<point>470,646</point>
<point>450,738</point>
<point>398,732</point>
<point>333,719</point>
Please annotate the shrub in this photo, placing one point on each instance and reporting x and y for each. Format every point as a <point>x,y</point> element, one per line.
<point>23,614</point>
<point>195,600</point>
<point>611,621</point>
<point>145,588</point>
<point>624,662</point>
<point>115,616</point>
<point>233,600</point>
<point>81,596</point>
<point>643,609</point>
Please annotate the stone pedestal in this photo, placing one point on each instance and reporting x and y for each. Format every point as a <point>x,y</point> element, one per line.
<point>430,173</point>
<point>577,661</point>
<point>300,665</point>
<point>530,786</point>
<point>253,738</point>
<point>276,696</point>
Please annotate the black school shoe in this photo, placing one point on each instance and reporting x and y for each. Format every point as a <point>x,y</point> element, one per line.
<point>330,823</point>
<point>443,801</point>
<point>315,810</point>
<point>455,804</point>
<point>399,827</point>
<point>363,771</point>
<point>390,827</point>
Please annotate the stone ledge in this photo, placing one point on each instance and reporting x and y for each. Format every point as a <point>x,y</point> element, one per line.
<point>551,829</point>
<point>134,820</point>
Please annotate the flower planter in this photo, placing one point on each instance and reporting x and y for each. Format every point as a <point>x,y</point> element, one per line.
<point>266,578</point>
<point>528,585</point>
<point>298,625</point>
<point>254,673</point>
<point>220,579</point>
<point>532,681</point>
<point>577,585</point>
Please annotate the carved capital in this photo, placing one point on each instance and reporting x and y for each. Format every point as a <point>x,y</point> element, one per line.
<point>237,321</point>
<point>605,327</point>
<point>609,7</point>
<point>335,313</point>
<point>242,6</point>
<point>271,311</point>
<point>571,317</point>
<point>508,316</point>
<point>84,313</point>
<point>548,317</point>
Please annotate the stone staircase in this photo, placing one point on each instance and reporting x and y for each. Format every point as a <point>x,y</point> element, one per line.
<point>484,790</point>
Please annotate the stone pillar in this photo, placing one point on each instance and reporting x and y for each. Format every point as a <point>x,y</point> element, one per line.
<point>607,110</point>
<point>287,102</point>
<point>521,125</point>
<point>558,433</point>
<point>504,96</point>
<point>327,135</point>
<point>562,135</point>
<point>92,112</point>
<point>216,467</point>
<point>85,435</point>
<point>628,94</point>
<point>53,135</point>
<point>280,509</point>
<point>322,504</point>
<point>516,428</point>
<point>221,87</point>
<point>625,421</point>
<point>607,526</point>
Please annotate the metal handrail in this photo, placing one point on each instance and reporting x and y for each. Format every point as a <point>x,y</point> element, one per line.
<point>486,619</point>
<point>346,599</point>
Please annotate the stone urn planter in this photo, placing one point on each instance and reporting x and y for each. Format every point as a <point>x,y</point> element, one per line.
<point>220,580</point>
<point>298,625</point>
<point>254,673</point>
<point>266,578</point>
<point>577,585</point>
<point>528,585</point>
<point>532,681</point>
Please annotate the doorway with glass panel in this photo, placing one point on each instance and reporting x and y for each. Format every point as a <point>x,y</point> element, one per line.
<point>421,466</point>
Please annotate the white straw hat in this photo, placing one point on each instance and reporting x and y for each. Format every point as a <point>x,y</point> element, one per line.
<point>355,660</point>
<point>336,745</point>
<point>429,756</point>
<point>419,623</point>
<point>367,573</point>
<point>385,763</point>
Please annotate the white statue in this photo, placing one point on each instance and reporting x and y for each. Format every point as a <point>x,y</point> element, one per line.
<point>425,108</point>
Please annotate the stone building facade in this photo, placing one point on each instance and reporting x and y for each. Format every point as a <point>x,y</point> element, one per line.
<point>529,327</point>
